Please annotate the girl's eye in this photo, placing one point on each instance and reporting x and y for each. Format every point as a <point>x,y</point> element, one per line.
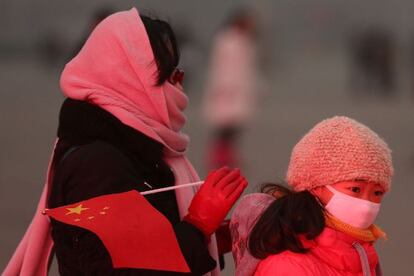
<point>355,189</point>
<point>379,193</point>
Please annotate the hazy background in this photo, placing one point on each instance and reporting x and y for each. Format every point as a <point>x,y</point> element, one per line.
<point>308,74</point>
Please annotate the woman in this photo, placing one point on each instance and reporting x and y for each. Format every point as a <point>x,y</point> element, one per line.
<point>119,130</point>
<point>339,173</point>
<point>230,96</point>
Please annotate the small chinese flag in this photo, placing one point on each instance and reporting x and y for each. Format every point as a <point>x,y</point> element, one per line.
<point>135,234</point>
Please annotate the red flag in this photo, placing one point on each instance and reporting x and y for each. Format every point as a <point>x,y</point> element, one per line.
<point>135,234</point>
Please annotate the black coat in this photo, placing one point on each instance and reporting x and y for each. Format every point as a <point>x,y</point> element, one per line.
<point>98,155</point>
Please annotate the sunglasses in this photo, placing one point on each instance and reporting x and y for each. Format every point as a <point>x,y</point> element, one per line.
<point>177,76</point>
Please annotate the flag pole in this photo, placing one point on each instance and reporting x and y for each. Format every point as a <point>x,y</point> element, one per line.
<point>172,188</point>
<point>156,191</point>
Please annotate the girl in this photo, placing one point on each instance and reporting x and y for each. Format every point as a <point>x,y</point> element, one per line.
<point>120,130</point>
<point>339,173</point>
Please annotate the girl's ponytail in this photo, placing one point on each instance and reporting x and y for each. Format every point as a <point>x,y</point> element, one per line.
<point>279,227</point>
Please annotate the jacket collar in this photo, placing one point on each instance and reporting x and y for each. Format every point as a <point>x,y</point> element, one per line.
<point>336,250</point>
<point>82,123</point>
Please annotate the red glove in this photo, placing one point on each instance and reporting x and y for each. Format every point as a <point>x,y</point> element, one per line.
<point>215,198</point>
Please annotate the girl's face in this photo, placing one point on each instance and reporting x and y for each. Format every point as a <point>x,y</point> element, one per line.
<point>363,190</point>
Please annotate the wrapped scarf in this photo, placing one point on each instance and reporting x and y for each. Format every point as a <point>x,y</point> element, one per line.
<point>116,71</point>
<point>371,234</point>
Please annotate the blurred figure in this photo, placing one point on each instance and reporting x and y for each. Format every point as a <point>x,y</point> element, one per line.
<point>231,89</point>
<point>373,55</point>
<point>99,15</point>
<point>411,66</point>
<point>51,49</point>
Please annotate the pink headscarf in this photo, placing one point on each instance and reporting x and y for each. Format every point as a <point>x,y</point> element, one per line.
<point>116,71</point>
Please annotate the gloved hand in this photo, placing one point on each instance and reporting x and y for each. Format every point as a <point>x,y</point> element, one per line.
<point>215,198</point>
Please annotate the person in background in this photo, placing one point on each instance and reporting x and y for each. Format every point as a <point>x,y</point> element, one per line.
<point>373,63</point>
<point>230,94</point>
<point>97,16</point>
<point>339,172</point>
<point>120,130</point>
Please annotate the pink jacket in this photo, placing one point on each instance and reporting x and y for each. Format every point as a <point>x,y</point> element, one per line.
<point>231,89</point>
<point>333,253</point>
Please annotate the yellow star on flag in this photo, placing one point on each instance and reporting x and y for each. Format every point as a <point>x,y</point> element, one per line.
<point>76,210</point>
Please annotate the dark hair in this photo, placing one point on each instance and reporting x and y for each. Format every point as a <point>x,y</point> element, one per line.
<point>164,46</point>
<point>290,215</point>
<point>243,19</point>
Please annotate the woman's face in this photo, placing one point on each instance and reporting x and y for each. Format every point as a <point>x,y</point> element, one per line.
<point>363,190</point>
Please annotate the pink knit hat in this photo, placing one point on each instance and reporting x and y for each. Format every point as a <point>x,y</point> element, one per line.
<point>339,149</point>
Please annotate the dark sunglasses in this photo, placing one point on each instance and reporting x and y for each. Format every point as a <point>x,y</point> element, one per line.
<point>177,76</point>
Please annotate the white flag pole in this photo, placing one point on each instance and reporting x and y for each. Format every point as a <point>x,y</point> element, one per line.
<point>171,188</point>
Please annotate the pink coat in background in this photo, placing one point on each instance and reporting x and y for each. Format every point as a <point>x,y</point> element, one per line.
<point>230,95</point>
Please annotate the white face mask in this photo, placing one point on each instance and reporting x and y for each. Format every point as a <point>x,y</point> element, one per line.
<point>351,210</point>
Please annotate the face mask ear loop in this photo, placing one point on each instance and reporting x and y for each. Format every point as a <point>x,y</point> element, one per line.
<point>319,201</point>
<point>332,189</point>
